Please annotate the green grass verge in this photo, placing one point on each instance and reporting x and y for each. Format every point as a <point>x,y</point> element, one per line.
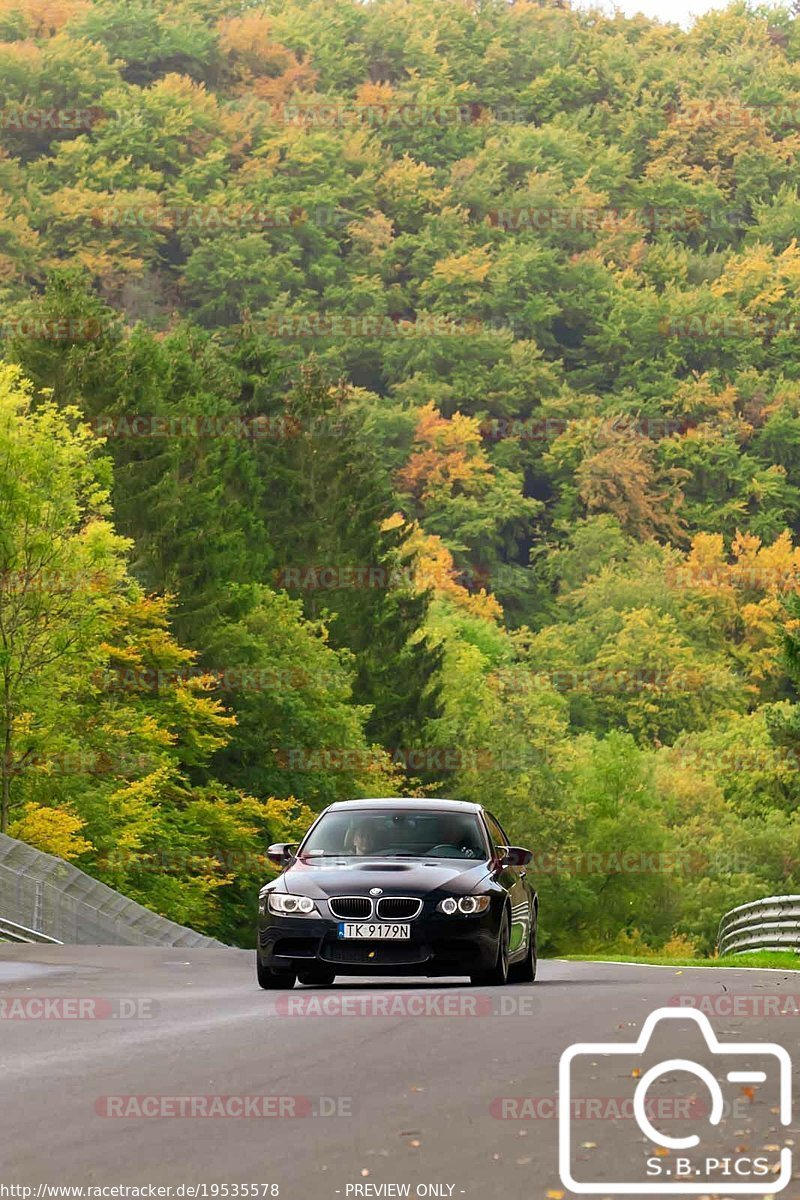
<point>763,958</point>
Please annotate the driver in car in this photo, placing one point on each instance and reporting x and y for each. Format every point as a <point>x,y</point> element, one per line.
<point>364,840</point>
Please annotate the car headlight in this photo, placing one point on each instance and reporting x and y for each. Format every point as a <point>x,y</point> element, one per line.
<point>287,905</point>
<point>468,906</point>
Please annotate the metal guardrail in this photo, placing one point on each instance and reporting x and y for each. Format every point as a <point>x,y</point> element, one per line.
<point>11,932</point>
<point>771,924</point>
<point>53,901</point>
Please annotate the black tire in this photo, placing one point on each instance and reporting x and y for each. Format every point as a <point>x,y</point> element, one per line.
<point>496,976</point>
<point>525,971</point>
<point>272,981</point>
<point>316,976</point>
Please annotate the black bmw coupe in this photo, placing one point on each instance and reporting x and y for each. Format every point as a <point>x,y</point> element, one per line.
<point>399,887</point>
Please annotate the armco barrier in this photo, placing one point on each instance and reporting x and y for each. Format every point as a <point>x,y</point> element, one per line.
<point>11,932</point>
<point>49,897</point>
<point>771,924</point>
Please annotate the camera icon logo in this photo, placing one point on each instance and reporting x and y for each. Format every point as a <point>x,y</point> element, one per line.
<point>679,1164</point>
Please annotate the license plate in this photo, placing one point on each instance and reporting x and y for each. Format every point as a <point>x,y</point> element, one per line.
<point>373,930</point>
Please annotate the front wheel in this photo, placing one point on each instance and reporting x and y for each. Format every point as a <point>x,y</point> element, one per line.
<point>272,981</point>
<point>497,975</point>
<point>525,971</point>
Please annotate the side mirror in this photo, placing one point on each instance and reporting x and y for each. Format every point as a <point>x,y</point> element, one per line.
<point>281,853</point>
<point>516,856</point>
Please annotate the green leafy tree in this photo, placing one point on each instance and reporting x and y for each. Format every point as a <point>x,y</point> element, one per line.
<point>60,565</point>
<point>329,507</point>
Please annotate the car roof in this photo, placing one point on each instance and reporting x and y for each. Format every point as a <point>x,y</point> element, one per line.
<point>415,803</point>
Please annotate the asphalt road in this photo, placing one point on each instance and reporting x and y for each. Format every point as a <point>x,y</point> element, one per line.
<point>430,1084</point>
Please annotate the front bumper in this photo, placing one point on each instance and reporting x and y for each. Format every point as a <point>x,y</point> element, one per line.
<point>438,945</point>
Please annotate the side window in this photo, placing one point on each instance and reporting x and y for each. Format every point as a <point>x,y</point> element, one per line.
<point>496,833</point>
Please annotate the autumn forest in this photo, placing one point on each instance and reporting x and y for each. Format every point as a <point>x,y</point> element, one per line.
<point>402,398</point>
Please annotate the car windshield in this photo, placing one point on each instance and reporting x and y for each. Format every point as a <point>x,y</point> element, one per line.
<point>390,833</point>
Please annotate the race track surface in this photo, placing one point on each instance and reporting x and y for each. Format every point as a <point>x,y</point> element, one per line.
<point>424,1084</point>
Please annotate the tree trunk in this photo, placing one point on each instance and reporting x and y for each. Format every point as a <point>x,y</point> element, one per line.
<point>5,771</point>
<point>5,780</point>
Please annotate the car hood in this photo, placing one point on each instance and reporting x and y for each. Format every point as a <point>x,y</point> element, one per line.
<point>355,877</point>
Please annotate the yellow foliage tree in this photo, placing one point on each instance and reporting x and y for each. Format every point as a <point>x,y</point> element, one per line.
<point>435,570</point>
<point>472,267</point>
<point>448,455</point>
<point>259,64</point>
<point>747,585</point>
<point>53,830</point>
